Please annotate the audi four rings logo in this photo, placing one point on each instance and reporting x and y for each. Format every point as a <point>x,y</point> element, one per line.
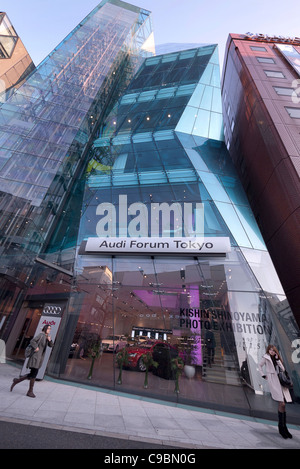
<point>55,310</point>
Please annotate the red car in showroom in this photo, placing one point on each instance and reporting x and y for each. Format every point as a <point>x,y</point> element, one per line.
<point>161,352</point>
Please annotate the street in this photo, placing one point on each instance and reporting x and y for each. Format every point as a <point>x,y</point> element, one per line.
<point>23,436</point>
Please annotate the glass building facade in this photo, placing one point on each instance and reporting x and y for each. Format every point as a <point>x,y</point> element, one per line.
<point>46,127</point>
<point>152,251</point>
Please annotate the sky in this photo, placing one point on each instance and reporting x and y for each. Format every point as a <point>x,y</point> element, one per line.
<point>43,24</point>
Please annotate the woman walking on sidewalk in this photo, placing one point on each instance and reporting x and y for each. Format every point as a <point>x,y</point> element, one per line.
<point>39,345</point>
<point>272,361</point>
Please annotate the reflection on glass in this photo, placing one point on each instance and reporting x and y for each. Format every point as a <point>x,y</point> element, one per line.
<point>291,54</point>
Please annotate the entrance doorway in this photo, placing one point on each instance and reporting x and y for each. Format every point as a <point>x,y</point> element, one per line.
<point>28,329</point>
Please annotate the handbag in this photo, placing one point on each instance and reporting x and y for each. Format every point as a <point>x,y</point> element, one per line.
<point>284,379</point>
<point>29,351</point>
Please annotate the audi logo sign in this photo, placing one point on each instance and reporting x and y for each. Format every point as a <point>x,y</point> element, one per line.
<point>52,310</point>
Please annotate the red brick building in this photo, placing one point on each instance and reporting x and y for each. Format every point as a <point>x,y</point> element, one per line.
<point>261,106</point>
<point>15,62</point>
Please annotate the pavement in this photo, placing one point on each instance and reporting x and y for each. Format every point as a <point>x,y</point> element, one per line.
<point>66,406</point>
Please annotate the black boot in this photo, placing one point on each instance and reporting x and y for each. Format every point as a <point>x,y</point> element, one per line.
<point>16,381</point>
<point>281,428</point>
<point>30,390</point>
<point>285,427</point>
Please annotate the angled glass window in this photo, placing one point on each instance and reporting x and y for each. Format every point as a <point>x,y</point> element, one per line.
<point>198,66</point>
<point>232,125</point>
<point>6,28</point>
<point>274,74</point>
<point>280,90</point>
<point>258,48</point>
<point>291,54</point>
<point>293,112</point>
<point>7,45</point>
<point>8,37</point>
<point>266,60</point>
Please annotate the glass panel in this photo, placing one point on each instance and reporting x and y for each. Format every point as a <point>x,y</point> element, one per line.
<point>6,27</point>
<point>250,226</point>
<point>206,98</point>
<point>291,54</point>
<point>267,60</point>
<point>90,323</point>
<point>274,74</point>
<point>258,48</point>
<point>216,126</point>
<point>293,112</point>
<point>213,186</point>
<point>262,267</point>
<point>187,120</point>
<point>230,217</point>
<point>217,101</point>
<point>283,91</point>
<point>7,45</point>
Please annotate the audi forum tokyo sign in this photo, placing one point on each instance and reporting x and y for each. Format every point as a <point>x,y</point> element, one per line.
<point>125,228</point>
<point>176,245</point>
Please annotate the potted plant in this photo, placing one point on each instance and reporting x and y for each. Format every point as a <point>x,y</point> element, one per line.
<point>148,362</point>
<point>189,368</point>
<point>94,352</point>
<point>122,359</point>
<point>177,365</point>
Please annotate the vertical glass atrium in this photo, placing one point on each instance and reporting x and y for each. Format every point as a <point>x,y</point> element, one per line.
<point>46,128</point>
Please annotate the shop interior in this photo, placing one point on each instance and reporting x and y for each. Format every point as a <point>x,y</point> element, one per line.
<point>161,306</point>
<point>165,307</point>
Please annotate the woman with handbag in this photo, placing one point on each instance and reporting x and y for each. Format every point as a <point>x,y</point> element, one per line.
<point>272,362</point>
<point>39,345</point>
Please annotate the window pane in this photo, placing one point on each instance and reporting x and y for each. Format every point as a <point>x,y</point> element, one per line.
<point>274,74</point>
<point>293,112</point>
<point>267,60</point>
<point>283,91</point>
<point>7,45</point>
<point>6,28</point>
<point>258,48</point>
<point>291,54</point>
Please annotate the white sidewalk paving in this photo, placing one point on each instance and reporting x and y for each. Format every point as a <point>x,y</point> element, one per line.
<point>82,409</point>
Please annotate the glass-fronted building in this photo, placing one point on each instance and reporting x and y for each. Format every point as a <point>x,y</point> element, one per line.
<point>46,128</point>
<point>152,252</point>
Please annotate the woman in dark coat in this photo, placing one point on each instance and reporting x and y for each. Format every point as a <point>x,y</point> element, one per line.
<point>271,361</point>
<point>39,345</point>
